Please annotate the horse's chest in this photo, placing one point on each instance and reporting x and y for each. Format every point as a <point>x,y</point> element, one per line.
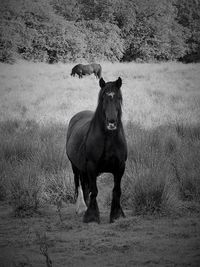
<point>109,152</point>
<point>109,159</point>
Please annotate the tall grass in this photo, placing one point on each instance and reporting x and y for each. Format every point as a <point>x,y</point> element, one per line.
<point>162,169</point>
<point>33,165</point>
<point>25,188</point>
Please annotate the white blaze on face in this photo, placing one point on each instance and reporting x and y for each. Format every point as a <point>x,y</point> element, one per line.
<point>80,203</point>
<point>111,94</point>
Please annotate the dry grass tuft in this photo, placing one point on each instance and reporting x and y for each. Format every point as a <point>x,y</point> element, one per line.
<point>162,169</point>
<point>33,165</point>
<point>25,189</point>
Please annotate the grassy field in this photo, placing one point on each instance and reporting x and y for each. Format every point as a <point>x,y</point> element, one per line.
<point>153,94</point>
<point>161,114</point>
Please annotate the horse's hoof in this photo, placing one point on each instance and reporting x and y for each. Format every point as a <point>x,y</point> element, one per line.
<point>81,209</point>
<point>91,216</point>
<point>116,215</point>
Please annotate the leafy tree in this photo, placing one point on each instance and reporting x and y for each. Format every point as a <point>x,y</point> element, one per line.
<point>64,30</point>
<point>188,16</point>
<point>103,40</point>
<point>19,23</point>
<point>69,10</point>
<point>97,10</point>
<point>124,13</point>
<point>34,31</point>
<point>156,35</point>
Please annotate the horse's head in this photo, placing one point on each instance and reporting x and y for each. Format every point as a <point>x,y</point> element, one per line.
<point>110,98</point>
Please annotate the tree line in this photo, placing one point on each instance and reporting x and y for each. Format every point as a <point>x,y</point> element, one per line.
<point>112,30</point>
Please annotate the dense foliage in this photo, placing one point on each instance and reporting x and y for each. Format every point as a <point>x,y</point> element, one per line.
<point>114,30</point>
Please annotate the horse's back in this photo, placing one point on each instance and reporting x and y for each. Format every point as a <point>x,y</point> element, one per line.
<point>87,69</point>
<point>76,136</point>
<point>95,65</point>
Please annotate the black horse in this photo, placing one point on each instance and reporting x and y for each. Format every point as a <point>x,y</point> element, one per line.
<point>96,143</point>
<point>81,70</point>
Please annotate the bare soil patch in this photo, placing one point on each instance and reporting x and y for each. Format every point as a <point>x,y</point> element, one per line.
<point>133,241</point>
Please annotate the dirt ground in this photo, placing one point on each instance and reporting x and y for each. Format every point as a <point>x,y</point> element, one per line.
<point>133,241</point>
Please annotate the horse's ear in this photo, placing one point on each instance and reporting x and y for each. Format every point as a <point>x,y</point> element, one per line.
<point>102,83</point>
<point>118,82</point>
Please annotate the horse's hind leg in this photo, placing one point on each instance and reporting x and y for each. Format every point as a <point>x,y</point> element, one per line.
<point>80,203</point>
<point>85,187</point>
<point>97,75</point>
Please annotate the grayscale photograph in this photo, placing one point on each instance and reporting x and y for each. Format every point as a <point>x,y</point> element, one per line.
<point>99,133</point>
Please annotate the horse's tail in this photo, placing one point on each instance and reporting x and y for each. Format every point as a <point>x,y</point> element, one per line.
<point>99,72</point>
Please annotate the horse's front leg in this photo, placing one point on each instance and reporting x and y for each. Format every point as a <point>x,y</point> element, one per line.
<point>116,209</point>
<point>92,213</point>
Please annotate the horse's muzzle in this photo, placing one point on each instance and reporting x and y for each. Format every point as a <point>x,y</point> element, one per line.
<point>111,126</point>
